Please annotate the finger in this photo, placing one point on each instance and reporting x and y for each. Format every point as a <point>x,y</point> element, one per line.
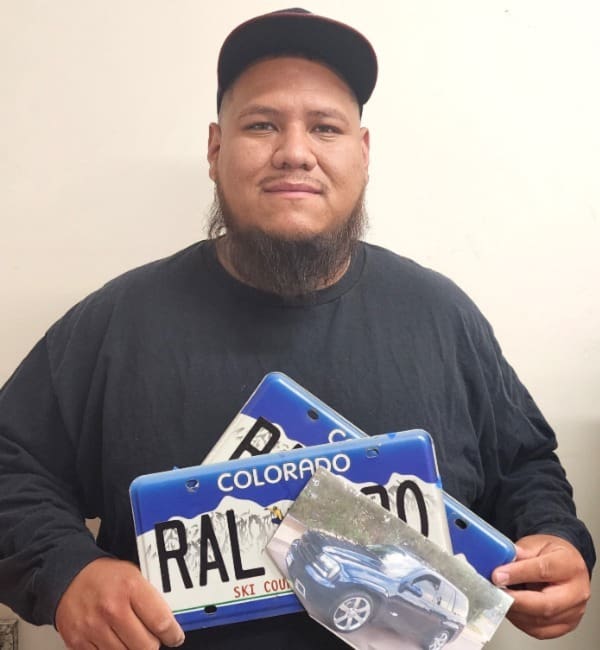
<point>92,633</point>
<point>550,567</point>
<point>155,614</point>
<point>135,635</point>
<point>110,641</point>
<point>542,632</point>
<point>534,545</point>
<point>546,627</point>
<point>550,602</point>
<point>104,639</point>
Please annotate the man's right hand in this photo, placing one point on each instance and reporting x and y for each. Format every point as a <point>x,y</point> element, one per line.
<point>111,606</point>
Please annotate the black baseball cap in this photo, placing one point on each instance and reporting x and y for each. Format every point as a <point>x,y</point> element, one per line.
<point>298,32</point>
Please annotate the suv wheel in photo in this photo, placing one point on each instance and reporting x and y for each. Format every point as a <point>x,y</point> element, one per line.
<point>438,641</point>
<point>351,612</point>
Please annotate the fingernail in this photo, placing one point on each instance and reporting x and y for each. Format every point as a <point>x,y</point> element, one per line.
<point>501,578</point>
<point>180,642</point>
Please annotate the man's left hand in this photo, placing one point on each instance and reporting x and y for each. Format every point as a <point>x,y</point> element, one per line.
<point>552,586</point>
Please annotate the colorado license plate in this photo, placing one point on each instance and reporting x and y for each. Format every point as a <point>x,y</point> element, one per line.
<point>201,531</point>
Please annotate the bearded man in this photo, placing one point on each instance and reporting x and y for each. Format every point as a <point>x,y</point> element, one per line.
<point>146,373</point>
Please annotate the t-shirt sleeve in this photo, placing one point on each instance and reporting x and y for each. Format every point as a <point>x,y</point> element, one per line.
<point>526,488</point>
<point>44,541</point>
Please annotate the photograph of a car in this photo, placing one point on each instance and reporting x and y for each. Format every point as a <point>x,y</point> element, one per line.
<point>376,582</point>
<point>353,585</point>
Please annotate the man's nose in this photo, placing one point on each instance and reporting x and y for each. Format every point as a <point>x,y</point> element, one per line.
<point>294,150</point>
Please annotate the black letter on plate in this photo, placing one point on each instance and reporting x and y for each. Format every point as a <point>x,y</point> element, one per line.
<point>246,444</point>
<point>240,572</point>
<point>177,554</point>
<point>207,534</point>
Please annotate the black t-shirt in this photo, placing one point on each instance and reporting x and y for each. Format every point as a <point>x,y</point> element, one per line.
<point>146,373</point>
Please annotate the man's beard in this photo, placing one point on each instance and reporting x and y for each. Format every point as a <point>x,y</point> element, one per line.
<point>286,267</point>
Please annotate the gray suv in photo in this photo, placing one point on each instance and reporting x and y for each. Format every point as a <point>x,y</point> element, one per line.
<point>352,585</point>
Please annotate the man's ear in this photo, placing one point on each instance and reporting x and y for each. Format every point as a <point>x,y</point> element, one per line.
<point>214,146</point>
<point>365,144</point>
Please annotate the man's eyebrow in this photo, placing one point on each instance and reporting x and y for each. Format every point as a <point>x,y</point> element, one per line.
<point>258,109</point>
<point>325,113</point>
<point>269,111</point>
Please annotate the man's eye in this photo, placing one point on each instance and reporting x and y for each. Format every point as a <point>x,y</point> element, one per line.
<point>327,129</point>
<point>260,126</point>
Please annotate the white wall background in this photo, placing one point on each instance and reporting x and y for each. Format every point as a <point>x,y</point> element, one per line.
<point>485,165</point>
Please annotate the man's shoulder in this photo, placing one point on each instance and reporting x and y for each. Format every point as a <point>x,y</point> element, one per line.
<point>394,273</point>
<point>174,267</point>
<point>401,290</point>
<point>146,287</point>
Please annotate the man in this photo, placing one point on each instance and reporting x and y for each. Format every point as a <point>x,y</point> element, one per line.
<point>147,372</point>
